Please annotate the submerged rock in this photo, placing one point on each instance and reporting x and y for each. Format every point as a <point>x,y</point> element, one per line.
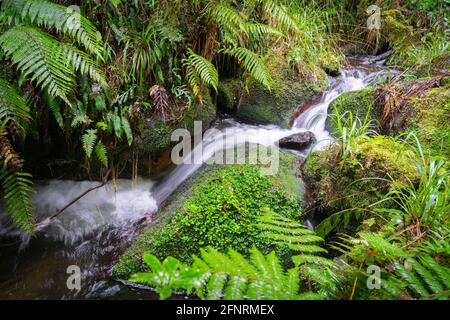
<point>299,141</point>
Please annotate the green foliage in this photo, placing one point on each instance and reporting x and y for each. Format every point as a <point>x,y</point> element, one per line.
<point>251,63</point>
<point>64,19</point>
<point>215,275</point>
<point>48,61</point>
<point>16,188</point>
<point>88,139</point>
<point>221,214</point>
<point>101,153</point>
<point>13,106</point>
<point>352,188</point>
<point>284,231</point>
<point>200,71</point>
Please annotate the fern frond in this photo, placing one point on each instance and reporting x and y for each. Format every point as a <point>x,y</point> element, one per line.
<point>88,139</point>
<point>16,188</point>
<point>279,13</point>
<point>259,30</point>
<point>13,105</point>
<point>252,63</point>
<point>101,153</point>
<point>205,70</point>
<point>216,275</point>
<point>51,64</point>
<point>229,20</point>
<point>64,19</point>
<point>285,231</point>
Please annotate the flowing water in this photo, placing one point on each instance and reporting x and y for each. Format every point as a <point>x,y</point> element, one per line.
<point>95,230</point>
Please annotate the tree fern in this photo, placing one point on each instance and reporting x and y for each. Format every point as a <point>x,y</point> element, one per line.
<point>64,19</point>
<point>88,139</point>
<point>216,275</point>
<point>251,62</point>
<point>16,188</point>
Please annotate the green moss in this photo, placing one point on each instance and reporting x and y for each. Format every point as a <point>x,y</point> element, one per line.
<point>230,91</point>
<point>155,135</point>
<point>362,179</point>
<point>218,208</point>
<point>431,120</point>
<point>360,103</point>
<point>290,88</point>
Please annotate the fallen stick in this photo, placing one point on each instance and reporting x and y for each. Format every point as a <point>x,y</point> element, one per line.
<point>46,221</point>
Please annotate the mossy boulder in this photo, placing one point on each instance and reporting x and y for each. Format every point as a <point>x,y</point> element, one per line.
<point>360,104</point>
<point>361,179</point>
<point>218,207</point>
<point>290,88</point>
<point>155,136</point>
<point>430,118</point>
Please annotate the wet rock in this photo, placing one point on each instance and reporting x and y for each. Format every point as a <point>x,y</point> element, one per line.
<point>299,141</point>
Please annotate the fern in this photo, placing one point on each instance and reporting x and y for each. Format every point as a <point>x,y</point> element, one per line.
<point>422,278</point>
<point>204,70</point>
<point>285,231</point>
<point>88,139</point>
<point>215,275</point>
<point>101,153</point>
<point>13,106</point>
<point>229,20</point>
<point>16,189</point>
<point>51,15</point>
<point>273,9</point>
<point>50,63</point>
<point>251,63</point>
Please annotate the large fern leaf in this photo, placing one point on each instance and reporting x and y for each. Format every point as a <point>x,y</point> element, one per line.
<point>216,275</point>
<point>16,189</point>
<point>64,19</point>
<point>204,69</point>
<point>51,64</point>
<point>252,63</point>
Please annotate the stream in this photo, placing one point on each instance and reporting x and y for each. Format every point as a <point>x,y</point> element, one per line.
<point>95,230</point>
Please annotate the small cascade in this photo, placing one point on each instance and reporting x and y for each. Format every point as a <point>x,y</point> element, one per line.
<point>95,230</point>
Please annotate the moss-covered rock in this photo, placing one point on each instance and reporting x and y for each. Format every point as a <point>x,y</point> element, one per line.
<point>154,138</point>
<point>289,89</point>
<point>360,103</point>
<point>218,207</point>
<point>430,118</point>
<point>362,179</point>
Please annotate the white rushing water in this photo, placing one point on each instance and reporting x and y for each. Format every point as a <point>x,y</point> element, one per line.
<point>105,219</point>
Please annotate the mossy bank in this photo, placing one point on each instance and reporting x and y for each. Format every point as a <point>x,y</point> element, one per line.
<point>218,207</point>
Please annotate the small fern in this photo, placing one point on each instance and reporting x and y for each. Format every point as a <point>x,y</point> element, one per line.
<point>88,139</point>
<point>101,153</point>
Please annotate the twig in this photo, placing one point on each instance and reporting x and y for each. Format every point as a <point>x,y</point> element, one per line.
<point>43,223</point>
